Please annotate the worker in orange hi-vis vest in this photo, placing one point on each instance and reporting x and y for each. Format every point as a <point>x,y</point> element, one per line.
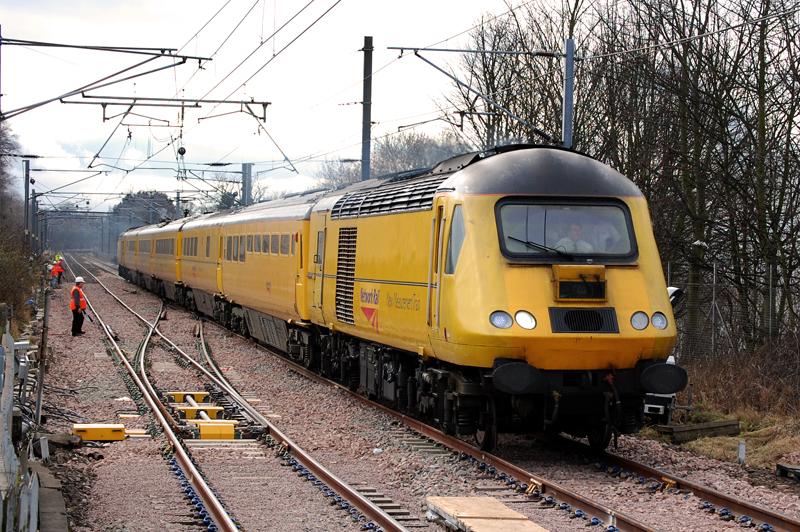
<point>77,304</point>
<point>56,273</point>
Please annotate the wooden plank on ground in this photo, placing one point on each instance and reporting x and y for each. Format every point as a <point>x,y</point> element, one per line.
<point>693,431</point>
<point>480,514</point>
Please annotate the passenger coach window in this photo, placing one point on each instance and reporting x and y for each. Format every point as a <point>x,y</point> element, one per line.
<point>228,244</point>
<point>284,244</point>
<point>257,244</point>
<point>249,243</point>
<point>456,240</point>
<point>208,246</point>
<point>265,243</point>
<point>241,248</point>
<point>275,245</point>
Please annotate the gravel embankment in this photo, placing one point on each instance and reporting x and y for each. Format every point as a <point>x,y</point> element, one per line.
<point>115,486</point>
<point>362,445</point>
<point>253,485</point>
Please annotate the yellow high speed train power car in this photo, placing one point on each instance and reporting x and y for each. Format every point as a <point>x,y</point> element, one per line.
<point>515,290</point>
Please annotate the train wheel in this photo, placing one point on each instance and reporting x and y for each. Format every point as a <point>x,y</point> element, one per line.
<point>486,435</point>
<point>600,436</point>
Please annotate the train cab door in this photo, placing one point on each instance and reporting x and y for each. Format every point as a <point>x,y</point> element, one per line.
<point>220,251</point>
<point>435,269</point>
<point>317,264</point>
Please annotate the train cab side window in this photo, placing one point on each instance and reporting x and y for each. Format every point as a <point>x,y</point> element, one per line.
<point>241,248</point>
<point>284,244</point>
<point>319,257</point>
<point>228,248</point>
<point>456,240</point>
<point>208,246</point>
<point>275,244</point>
<point>257,244</point>
<point>249,243</point>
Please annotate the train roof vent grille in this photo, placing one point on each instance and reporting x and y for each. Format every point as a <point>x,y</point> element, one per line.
<point>410,196</point>
<point>345,274</point>
<point>583,320</point>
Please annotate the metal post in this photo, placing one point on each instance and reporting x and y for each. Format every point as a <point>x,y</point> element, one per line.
<point>26,175</point>
<point>769,323</point>
<point>34,221</point>
<point>247,183</point>
<point>714,313</point>
<point>569,78</point>
<point>366,103</point>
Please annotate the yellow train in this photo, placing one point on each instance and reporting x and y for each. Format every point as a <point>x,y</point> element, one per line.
<point>513,290</point>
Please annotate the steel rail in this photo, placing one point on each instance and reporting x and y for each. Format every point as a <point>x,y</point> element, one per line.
<point>778,521</point>
<point>355,498</point>
<point>375,513</point>
<point>210,501</point>
<point>576,500</point>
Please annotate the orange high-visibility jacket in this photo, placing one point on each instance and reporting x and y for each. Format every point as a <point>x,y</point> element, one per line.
<point>81,298</point>
<point>56,270</point>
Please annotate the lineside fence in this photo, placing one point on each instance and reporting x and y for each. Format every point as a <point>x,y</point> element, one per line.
<point>740,336</point>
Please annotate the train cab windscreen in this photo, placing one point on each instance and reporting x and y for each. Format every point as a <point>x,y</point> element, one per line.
<point>552,230</point>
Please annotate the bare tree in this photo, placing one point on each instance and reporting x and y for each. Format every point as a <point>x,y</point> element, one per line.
<point>395,153</point>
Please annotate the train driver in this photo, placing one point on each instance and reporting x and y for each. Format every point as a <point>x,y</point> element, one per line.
<point>573,241</point>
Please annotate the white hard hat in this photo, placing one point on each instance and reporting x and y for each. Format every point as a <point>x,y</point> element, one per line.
<point>79,279</point>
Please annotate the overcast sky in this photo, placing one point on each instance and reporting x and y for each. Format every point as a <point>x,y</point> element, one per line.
<point>312,84</point>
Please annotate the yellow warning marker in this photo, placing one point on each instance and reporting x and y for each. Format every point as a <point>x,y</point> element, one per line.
<point>192,412</point>
<point>198,421</point>
<point>137,433</point>
<point>99,431</point>
<point>179,397</point>
<point>216,431</point>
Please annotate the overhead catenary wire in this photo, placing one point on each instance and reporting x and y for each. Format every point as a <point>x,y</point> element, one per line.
<point>274,33</point>
<point>193,37</point>
<point>279,52</point>
<point>221,44</point>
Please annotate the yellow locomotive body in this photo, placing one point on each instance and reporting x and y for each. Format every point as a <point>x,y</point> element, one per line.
<point>518,290</point>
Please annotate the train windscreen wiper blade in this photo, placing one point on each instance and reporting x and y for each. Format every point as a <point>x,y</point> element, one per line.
<point>542,247</point>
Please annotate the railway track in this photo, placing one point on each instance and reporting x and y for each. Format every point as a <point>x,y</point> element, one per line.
<point>346,497</point>
<point>208,501</point>
<point>727,507</point>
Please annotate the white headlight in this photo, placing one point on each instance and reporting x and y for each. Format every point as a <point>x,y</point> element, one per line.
<point>639,320</point>
<point>659,321</point>
<point>502,320</point>
<point>525,319</point>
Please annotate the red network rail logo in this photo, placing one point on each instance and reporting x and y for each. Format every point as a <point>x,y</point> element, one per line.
<point>371,297</point>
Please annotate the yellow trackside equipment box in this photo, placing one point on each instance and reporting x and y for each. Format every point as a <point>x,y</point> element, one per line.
<point>99,431</point>
<point>192,412</point>
<point>216,431</point>
<point>178,397</point>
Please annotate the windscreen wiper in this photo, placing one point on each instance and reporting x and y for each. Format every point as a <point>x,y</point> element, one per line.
<point>542,247</point>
